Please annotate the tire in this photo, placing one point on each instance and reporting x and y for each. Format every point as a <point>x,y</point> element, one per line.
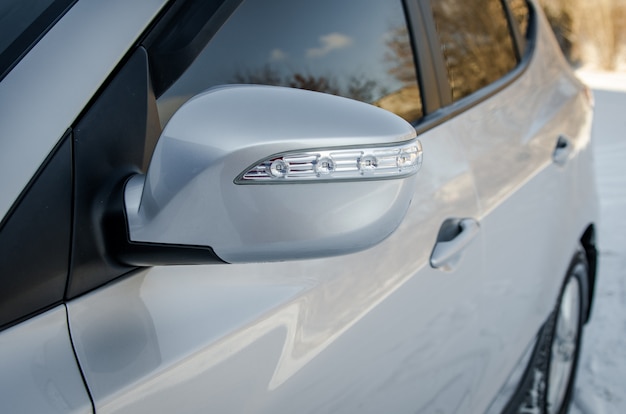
<point>566,334</point>
<point>548,382</point>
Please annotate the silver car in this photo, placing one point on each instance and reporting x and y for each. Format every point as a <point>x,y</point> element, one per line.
<point>284,206</point>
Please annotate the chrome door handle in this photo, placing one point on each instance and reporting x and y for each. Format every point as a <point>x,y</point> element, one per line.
<point>448,248</point>
<point>563,150</point>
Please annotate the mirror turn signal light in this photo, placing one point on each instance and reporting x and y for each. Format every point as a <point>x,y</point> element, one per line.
<point>337,164</point>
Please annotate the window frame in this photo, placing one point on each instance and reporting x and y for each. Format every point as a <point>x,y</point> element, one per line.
<point>450,108</point>
<point>519,38</point>
<point>35,278</point>
<point>425,65</point>
<point>25,41</point>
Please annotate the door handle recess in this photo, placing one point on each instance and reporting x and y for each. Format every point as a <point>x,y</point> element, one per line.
<point>562,151</point>
<point>454,237</point>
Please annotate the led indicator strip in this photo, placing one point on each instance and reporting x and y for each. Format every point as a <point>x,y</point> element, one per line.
<point>337,164</point>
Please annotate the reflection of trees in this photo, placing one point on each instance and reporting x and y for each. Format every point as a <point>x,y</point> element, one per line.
<point>476,42</point>
<point>405,102</point>
<point>264,75</point>
<point>362,89</point>
<point>358,86</point>
<point>269,75</point>
<point>313,83</point>
<point>520,11</point>
<point>400,55</point>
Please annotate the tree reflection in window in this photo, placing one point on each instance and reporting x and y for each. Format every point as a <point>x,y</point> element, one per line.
<point>359,49</point>
<point>521,13</point>
<point>476,43</point>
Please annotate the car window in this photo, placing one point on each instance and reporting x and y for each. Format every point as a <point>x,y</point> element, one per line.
<point>476,43</point>
<point>22,22</point>
<point>358,49</point>
<point>521,14</point>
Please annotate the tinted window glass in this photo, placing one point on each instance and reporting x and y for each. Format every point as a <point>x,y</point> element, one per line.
<point>521,14</point>
<point>358,49</point>
<point>476,43</point>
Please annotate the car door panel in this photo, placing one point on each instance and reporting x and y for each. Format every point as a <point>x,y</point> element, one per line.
<point>526,197</point>
<point>44,376</point>
<point>278,337</point>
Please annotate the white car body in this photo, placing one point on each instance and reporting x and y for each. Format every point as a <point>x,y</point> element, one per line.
<point>379,330</point>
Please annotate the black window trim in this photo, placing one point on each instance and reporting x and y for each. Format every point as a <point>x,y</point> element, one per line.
<point>171,50</point>
<point>32,310</point>
<point>14,53</point>
<point>422,57</point>
<point>519,41</point>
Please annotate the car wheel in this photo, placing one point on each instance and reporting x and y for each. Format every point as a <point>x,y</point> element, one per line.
<point>565,341</point>
<point>548,382</point>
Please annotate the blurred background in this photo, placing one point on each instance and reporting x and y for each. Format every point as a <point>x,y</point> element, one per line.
<point>592,34</point>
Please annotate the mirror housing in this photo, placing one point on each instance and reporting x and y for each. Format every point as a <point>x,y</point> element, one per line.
<point>227,174</point>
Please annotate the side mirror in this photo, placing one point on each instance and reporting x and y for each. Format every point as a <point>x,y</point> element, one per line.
<point>261,173</point>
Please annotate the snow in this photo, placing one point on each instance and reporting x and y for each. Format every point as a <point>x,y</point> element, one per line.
<point>535,393</point>
<point>601,384</point>
<point>607,81</point>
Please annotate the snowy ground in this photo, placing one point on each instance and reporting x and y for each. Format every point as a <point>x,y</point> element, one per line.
<point>601,383</point>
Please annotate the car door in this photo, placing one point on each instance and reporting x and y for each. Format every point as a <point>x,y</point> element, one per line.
<point>521,125</point>
<point>376,330</point>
